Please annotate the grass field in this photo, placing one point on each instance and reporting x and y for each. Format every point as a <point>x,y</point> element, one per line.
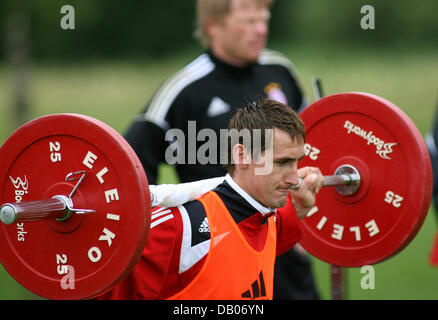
<point>114,92</point>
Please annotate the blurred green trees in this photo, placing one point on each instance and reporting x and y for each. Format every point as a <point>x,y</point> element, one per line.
<point>148,29</point>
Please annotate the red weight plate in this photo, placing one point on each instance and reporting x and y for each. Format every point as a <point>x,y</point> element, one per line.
<point>386,212</point>
<point>87,254</point>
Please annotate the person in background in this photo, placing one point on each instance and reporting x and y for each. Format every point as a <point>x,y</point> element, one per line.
<point>236,68</point>
<point>432,147</point>
<point>432,143</point>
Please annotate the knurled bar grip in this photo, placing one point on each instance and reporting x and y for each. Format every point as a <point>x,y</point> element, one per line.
<point>341,179</point>
<point>335,180</point>
<point>32,210</point>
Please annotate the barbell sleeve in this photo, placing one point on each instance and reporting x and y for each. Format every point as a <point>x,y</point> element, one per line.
<point>59,207</point>
<point>32,210</point>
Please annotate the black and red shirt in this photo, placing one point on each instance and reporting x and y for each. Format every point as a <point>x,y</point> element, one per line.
<point>179,242</point>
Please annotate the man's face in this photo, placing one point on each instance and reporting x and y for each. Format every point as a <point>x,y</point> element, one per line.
<point>272,189</point>
<point>241,36</point>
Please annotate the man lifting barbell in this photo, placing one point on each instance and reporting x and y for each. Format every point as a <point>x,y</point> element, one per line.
<point>223,245</point>
<point>383,189</point>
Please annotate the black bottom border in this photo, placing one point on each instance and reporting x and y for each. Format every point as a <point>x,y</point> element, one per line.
<point>221,309</point>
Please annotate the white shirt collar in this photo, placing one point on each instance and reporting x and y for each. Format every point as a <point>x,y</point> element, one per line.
<point>257,205</point>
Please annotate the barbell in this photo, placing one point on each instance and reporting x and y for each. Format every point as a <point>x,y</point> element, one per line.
<point>77,203</point>
<point>60,207</point>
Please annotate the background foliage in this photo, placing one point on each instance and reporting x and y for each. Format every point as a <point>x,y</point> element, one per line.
<point>150,29</point>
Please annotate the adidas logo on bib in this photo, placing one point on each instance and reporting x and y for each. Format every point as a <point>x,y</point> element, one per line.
<point>204,227</point>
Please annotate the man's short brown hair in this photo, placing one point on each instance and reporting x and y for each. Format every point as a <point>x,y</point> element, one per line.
<point>262,115</point>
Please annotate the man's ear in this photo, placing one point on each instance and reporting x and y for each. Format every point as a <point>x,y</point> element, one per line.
<point>241,157</point>
<point>210,27</point>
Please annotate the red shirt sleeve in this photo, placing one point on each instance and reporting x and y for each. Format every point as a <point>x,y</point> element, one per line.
<point>289,230</point>
<point>155,276</point>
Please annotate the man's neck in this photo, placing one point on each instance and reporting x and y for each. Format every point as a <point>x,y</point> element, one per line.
<point>253,202</point>
<point>229,59</point>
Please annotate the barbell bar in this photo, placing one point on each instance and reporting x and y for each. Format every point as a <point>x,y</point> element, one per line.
<point>61,208</point>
